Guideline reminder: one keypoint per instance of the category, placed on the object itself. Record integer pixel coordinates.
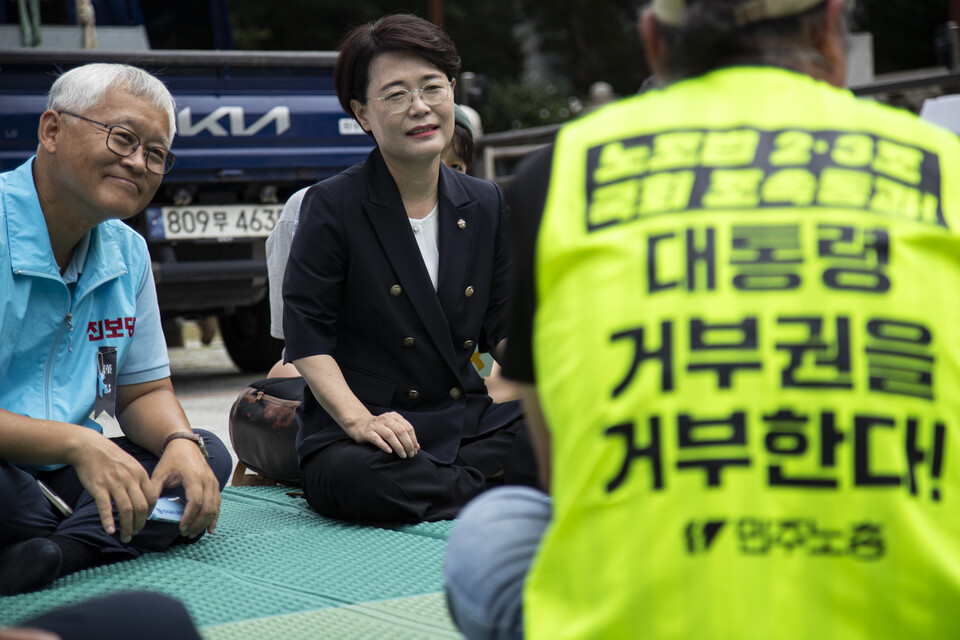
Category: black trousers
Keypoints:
(122, 616)
(27, 514)
(359, 482)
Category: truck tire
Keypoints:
(246, 335)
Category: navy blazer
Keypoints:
(356, 288)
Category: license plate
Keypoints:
(218, 221)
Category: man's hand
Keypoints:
(112, 476)
(390, 432)
(183, 464)
(148, 412)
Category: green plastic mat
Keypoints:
(275, 568)
(413, 618)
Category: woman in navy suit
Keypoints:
(397, 272)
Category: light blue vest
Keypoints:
(51, 335)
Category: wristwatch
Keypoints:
(186, 435)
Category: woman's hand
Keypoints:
(390, 432)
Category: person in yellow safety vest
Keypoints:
(736, 331)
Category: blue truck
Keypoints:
(252, 128)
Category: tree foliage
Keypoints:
(582, 42)
(303, 25)
(592, 41)
(482, 31)
(540, 58)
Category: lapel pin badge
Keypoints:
(461, 224)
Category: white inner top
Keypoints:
(427, 232)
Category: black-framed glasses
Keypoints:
(124, 142)
(399, 100)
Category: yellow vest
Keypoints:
(747, 347)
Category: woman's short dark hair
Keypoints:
(397, 32)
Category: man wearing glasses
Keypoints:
(81, 336)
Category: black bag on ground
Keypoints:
(263, 430)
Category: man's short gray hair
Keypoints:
(84, 88)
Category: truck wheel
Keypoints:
(246, 335)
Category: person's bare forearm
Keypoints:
(539, 433)
(389, 431)
(326, 381)
(27, 440)
(149, 412)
